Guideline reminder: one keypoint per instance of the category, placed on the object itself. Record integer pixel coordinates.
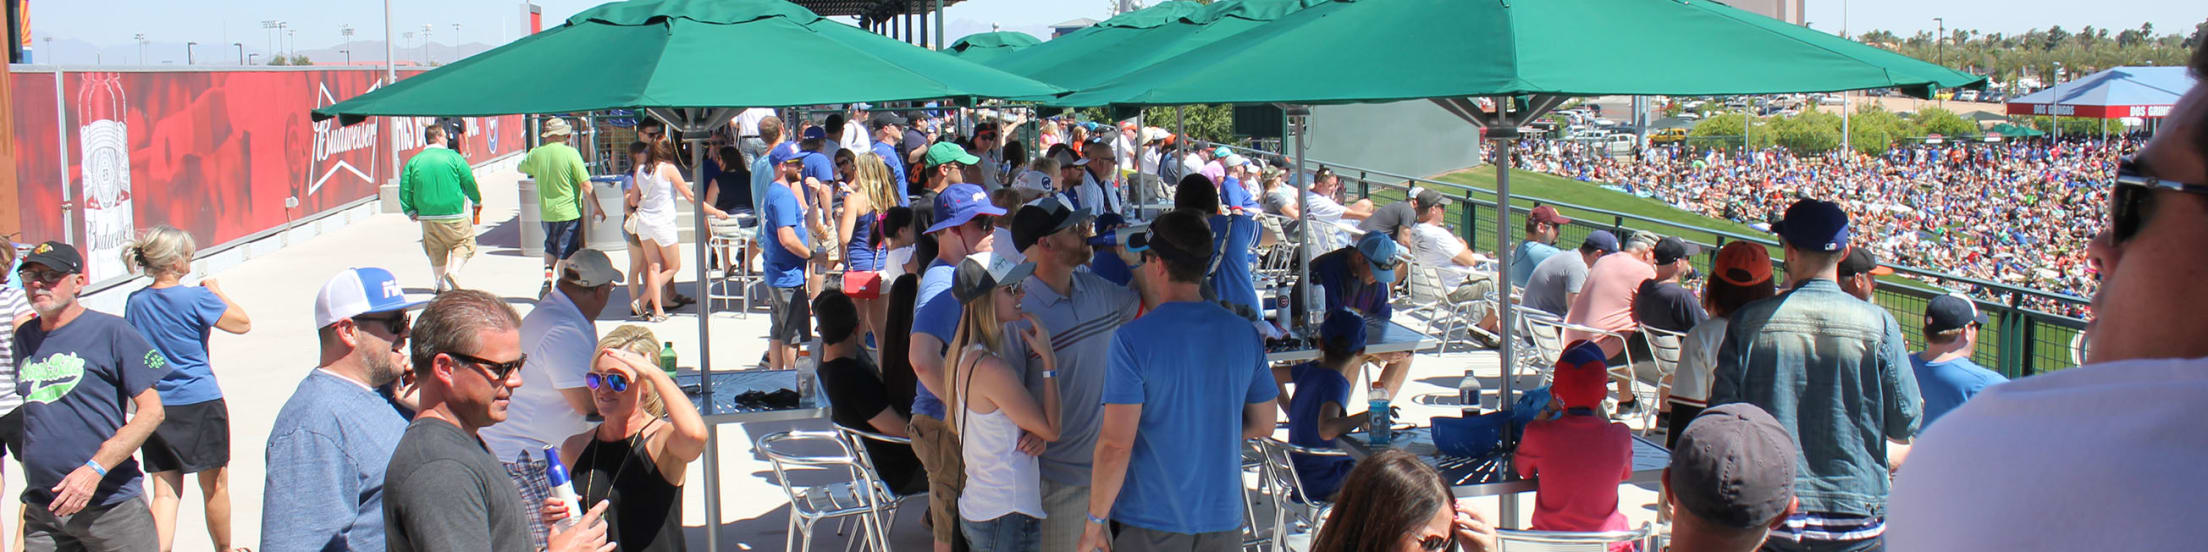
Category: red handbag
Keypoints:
(867, 284)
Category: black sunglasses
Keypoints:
(499, 370)
(2128, 199)
(615, 381)
(40, 275)
(396, 324)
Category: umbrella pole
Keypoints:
(1502, 133)
(694, 131)
(1299, 120)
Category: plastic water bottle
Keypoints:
(562, 490)
(667, 358)
(808, 370)
(1377, 407)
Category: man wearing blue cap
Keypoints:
(1357, 278)
(1835, 372)
(334, 437)
(965, 228)
(786, 245)
(1555, 283)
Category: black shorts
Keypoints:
(790, 314)
(563, 238)
(192, 438)
(11, 433)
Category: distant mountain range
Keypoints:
(77, 52)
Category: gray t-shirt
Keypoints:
(1081, 326)
(444, 491)
(1554, 281)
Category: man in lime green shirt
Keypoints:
(563, 188)
(437, 188)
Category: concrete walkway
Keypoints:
(259, 370)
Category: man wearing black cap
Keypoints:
(1082, 310)
(1661, 302)
(1732, 479)
(1859, 273)
(77, 369)
(1946, 376)
(1834, 371)
(1437, 248)
(886, 135)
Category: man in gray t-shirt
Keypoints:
(1556, 281)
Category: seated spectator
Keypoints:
(1358, 278)
(1556, 284)
(1946, 377)
(1327, 213)
(1434, 245)
(1741, 275)
(1663, 303)
(1316, 411)
(1579, 455)
(1732, 477)
(1235, 193)
(857, 396)
(1280, 198)
(1542, 226)
(1859, 272)
(1606, 303)
(1394, 502)
(1393, 218)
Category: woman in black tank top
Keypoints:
(635, 459)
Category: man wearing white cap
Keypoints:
(563, 188)
(333, 438)
(560, 338)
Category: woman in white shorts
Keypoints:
(657, 180)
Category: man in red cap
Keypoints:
(1542, 226)
(1580, 455)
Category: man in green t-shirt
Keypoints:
(437, 189)
(563, 187)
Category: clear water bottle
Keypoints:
(1377, 407)
(667, 358)
(808, 370)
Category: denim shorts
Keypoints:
(1013, 532)
(563, 238)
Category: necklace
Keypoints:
(590, 481)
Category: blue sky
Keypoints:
(81, 27)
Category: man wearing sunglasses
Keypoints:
(443, 490)
(1358, 278)
(77, 369)
(964, 229)
(2111, 449)
(334, 436)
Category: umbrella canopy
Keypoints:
(1097, 60)
(1066, 54)
(2013, 130)
(676, 54)
(1387, 50)
(982, 47)
(2110, 94)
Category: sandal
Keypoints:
(636, 309)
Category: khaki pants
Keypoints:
(1068, 506)
(448, 242)
(939, 452)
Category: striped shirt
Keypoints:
(1080, 325)
(1829, 527)
(12, 305)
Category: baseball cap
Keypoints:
(1861, 261)
(1548, 214)
(1950, 312)
(785, 153)
(960, 203)
(1672, 249)
(556, 126)
(1033, 181)
(1814, 225)
(358, 291)
(1065, 158)
(590, 268)
(1427, 199)
(1743, 264)
(1044, 217)
(1642, 239)
(1235, 160)
(1582, 375)
(1379, 249)
(1221, 152)
(1343, 330)
(985, 271)
(887, 118)
(815, 132)
(946, 152)
(1601, 240)
(1734, 465)
(57, 256)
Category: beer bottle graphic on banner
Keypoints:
(104, 143)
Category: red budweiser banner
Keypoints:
(220, 154)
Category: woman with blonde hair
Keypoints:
(990, 407)
(635, 459)
(860, 233)
(195, 437)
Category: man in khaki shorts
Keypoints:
(437, 189)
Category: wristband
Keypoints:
(1050, 374)
(1098, 520)
(96, 468)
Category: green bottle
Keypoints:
(667, 358)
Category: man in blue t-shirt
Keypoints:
(963, 227)
(1541, 230)
(1233, 233)
(886, 134)
(786, 249)
(1357, 278)
(1186, 383)
(77, 369)
(1946, 377)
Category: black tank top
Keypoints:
(645, 511)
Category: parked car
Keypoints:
(1830, 99)
(1690, 115)
(1667, 136)
(1966, 96)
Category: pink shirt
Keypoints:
(1606, 301)
(1581, 460)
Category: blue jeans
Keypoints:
(1013, 532)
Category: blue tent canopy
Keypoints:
(2110, 94)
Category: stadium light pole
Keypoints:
(241, 52)
(141, 38)
(188, 52)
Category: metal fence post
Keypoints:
(1364, 184)
(1471, 218)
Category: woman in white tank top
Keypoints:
(1002, 506)
(656, 181)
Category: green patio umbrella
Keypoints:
(686, 54)
(1986, 117)
(1058, 57)
(2013, 130)
(983, 47)
(1098, 59)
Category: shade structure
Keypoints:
(984, 47)
(1348, 51)
(682, 54)
(2146, 92)
(2012, 130)
(1076, 62)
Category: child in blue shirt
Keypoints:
(1315, 412)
